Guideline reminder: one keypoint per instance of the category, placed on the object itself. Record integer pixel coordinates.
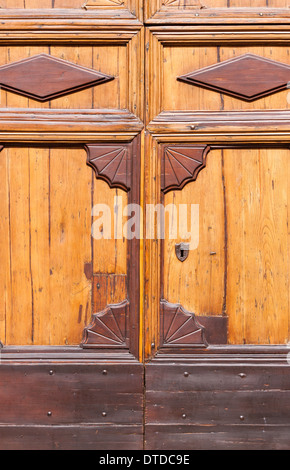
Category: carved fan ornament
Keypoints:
(108, 328)
(112, 164)
(248, 77)
(181, 164)
(43, 77)
(180, 327)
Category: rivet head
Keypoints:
(49, 414)
(184, 416)
(104, 414)
(51, 372)
(243, 376)
(105, 372)
(242, 418)
(186, 374)
(261, 14)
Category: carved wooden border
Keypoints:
(173, 11)
(131, 8)
(158, 38)
(126, 315)
(155, 256)
(117, 327)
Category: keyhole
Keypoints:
(182, 251)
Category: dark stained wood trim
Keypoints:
(240, 77)
(167, 348)
(43, 77)
(181, 164)
(112, 163)
(128, 179)
(219, 122)
(77, 437)
(167, 15)
(130, 308)
(219, 398)
(180, 328)
(108, 328)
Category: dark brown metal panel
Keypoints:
(71, 394)
(226, 399)
(70, 399)
(240, 437)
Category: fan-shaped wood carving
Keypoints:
(112, 163)
(180, 328)
(108, 328)
(43, 77)
(181, 164)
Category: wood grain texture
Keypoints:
(129, 8)
(234, 401)
(248, 77)
(111, 163)
(245, 242)
(181, 165)
(175, 11)
(108, 328)
(109, 59)
(43, 77)
(73, 437)
(180, 328)
(174, 52)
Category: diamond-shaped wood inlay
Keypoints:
(43, 77)
(247, 77)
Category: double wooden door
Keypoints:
(144, 217)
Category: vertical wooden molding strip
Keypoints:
(181, 164)
(118, 325)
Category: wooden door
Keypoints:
(111, 113)
(71, 117)
(217, 281)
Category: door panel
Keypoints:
(92, 308)
(243, 237)
(185, 11)
(108, 8)
(70, 165)
(217, 309)
(46, 221)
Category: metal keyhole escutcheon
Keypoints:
(182, 251)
